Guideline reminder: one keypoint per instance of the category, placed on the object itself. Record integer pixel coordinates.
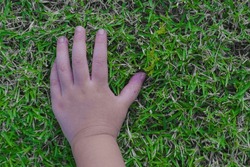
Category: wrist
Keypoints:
(100, 150)
(93, 131)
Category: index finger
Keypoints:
(99, 65)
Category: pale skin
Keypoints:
(89, 114)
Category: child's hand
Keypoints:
(84, 105)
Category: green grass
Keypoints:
(194, 108)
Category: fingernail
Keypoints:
(61, 39)
(101, 31)
(142, 75)
(79, 29)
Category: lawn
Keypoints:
(194, 107)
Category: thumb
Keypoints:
(132, 89)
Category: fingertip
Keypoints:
(62, 39)
(101, 32)
(79, 29)
(139, 76)
(80, 33)
(101, 37)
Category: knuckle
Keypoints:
(135, 91)
(54, 82)
(57, 104)
(69, 90)
(62, 67)
(100, 61)
(77, 60)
